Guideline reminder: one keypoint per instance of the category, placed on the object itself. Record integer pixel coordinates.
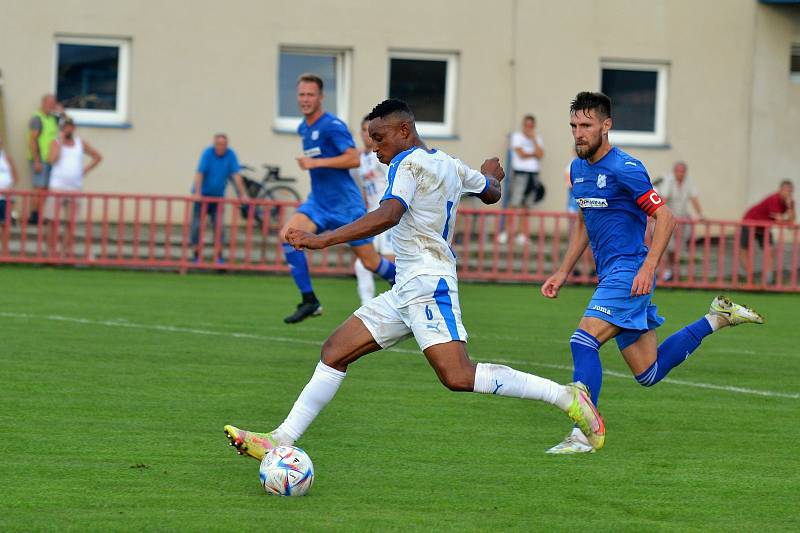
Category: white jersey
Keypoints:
(429, 184)
(67, 171)
(373, 179)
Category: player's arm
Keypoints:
(494, 174)
(654, 206)
(347, 160)
(386, 216)
(578, 241)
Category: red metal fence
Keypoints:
(147, 231)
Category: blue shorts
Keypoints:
(328, 220)
(612, 302)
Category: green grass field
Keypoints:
(116, 385)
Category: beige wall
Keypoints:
(199, 67)
(774, 139)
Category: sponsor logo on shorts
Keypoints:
(602, 309)
(588, 203)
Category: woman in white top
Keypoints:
(8, 178)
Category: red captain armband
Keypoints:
(649, 202)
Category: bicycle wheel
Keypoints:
(281, 193)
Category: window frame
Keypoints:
(98, 117)
(794, 76)
(288, 124)
(446, 128)
(638, 138)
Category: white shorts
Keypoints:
(383, 243)
(426, 307)
(69, 209)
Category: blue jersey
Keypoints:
(615, 196)
(331, 188)
(216, 170)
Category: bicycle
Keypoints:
(272, 186)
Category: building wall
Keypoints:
(776, 103)
(709, 51)
(200, 67)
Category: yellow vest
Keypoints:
(47, 134)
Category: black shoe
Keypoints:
(33, 218)
(304, 310)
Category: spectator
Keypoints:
(43, 128)
(777, 208)
(8, 179)
(66, 158)
(678, 191)
(217, 164)
(526, 151)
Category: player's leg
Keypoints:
(373, 261)
(435, 319)
(651, 362)
(298, 265)
(365, 282)
(349, 342)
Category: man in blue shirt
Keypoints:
(335, 200)
(217, 164)
(615, 197)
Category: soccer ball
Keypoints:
(286, 471)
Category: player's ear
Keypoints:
(607, 123)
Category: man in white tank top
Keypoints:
(67, 171)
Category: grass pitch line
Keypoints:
(121, 323)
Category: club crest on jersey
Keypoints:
(315, 135)
(589, 203)
(601, 181)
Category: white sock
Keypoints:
(505, 381)
(366, 282)
(717, 322)
(319, 391)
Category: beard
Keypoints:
(587, 151)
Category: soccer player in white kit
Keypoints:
(420, 205)
(372, 178)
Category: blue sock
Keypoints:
(386, 270)
(299, 267)
(675, 350)
(586, 362)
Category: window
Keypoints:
(330, 65)
(638, 95)
(91, 79)
(427, 82)
(794, 66)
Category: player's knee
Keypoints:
(457, 380)
(332, 356)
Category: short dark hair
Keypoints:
(586, 101)
(311, 78)
(391, 106)
(528, 117)
(787, 182)
(223, 135)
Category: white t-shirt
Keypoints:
(67, 171)
(677, 195)
(5, 172)
(429, 185)
(525, 164)
(373, 179)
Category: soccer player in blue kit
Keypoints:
(335, 199)
(615, 195)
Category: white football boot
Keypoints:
(576, 442)
(733, 313)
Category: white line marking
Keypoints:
(123, 323)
